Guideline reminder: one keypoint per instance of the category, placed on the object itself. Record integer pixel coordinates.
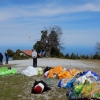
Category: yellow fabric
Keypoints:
(54, 71)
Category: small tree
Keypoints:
(86, 57)
(97, 46)
(73, 56)
(18, 52)
(67, 56)
(96, 56)
(11, 53)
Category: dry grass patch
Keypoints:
(18, 87)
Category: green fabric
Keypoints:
(97, 95)
(5, 71)
(40, 72)
(78, 88)
(91, 90)
(87, 90)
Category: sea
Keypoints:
(80, 50)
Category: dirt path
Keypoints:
(51, 62)
(42, 62)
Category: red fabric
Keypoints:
(38, 89)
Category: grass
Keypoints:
(18, 87)
(10, 87)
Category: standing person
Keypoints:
(1, 58)
(7, 57)
(34, 56)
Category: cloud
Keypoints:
(17, 22)
(12, 12)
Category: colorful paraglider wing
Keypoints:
(6, 71)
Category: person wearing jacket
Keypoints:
(7, 57)
(34, 56)
(1, 58)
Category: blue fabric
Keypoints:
(85, 72)
(95, 74)
(70, 83)
(59, 83)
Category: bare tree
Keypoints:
(54, 38)
(50, 38)
(97, 47)
(44, 38)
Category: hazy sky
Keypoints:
(78, 19)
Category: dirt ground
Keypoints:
(51, 62)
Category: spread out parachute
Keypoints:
(31, 71)
(6, 71)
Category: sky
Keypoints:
(21, 21)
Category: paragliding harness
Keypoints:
(39, 87)
(46, 69)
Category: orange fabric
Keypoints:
(64, 74)
(61, 73)
(75, 71)
(67, 74)
(54, 71)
